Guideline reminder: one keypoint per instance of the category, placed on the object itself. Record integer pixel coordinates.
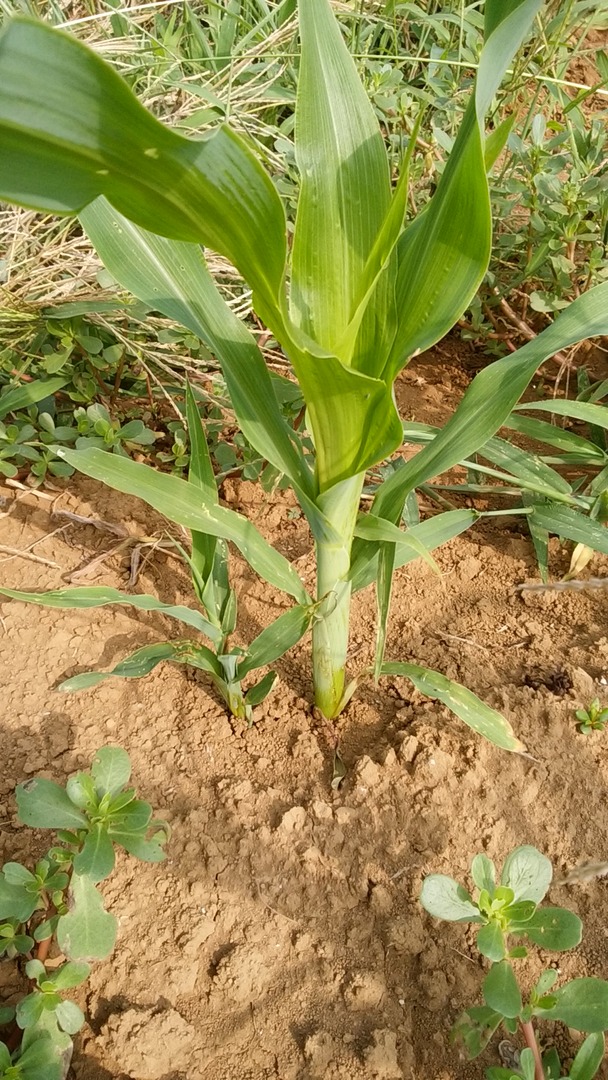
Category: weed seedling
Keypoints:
(509, 914)
(57, 903)
(594, 718)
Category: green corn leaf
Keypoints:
(135, 666)
(596, 415)
(445, 899)
(466, 705)
(71, 130)
(88, 931)
(539, 535)
(21, 397)
(45, 805)
(181, 502)
(555, 436)
(491, 397)
(528, 873)
(566, 522)
(500, 990)
(258, 693)
(173, 278)
(589, 1058)
(111, 770)
(276, 639)
(527, 467)
(200, 474)
(384, 590)
(96, 858)
(431, 534)
(370, 527)
(101, 595)
(342, 159)
(581, 1004)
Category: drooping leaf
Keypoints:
(444, 898)
(564, 521)
(88, 931)
(528, 873)
(182, 503)
(21, 397)
(431, 533)
(466, 705)
(45, 805)
(491, 397)
(500, 990)
(173, 278)
(71, 130)
(101, 595)
(136, 666)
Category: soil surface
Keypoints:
(283, 937)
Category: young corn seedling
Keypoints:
(358, 292)
(508, 914)
(208, 562)
(57, 902)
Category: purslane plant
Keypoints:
(358, 294)
(58, 902)
(208, 561)
(508, 914)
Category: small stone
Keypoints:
(408, 749)
(322, 810)
(368, 772)
(293, 819)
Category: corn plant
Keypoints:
(208, 562)
(57, 902)
(356, 295)
(508, 914)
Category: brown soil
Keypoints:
(283, 937)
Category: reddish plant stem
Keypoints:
(530, 1037)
